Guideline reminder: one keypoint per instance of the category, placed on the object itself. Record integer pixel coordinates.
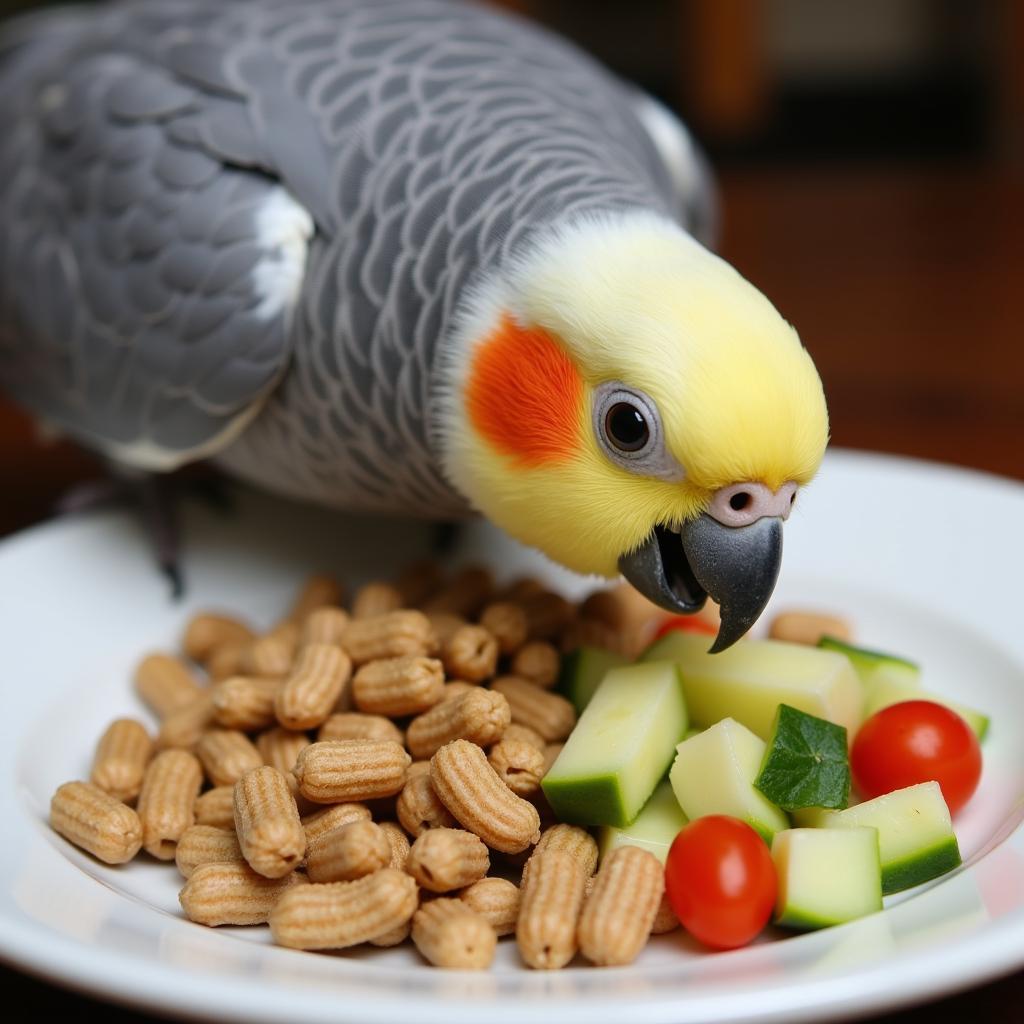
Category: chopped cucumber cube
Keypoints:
(714, 773)
(620, 748)
(826, 876)
(886, 693)
(875, 666)
(753, 677)
(915, 834)
(889, 679)
(582, 672)
(655, 828)
(806, 763)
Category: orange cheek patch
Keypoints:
(524, 395)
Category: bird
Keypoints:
(405, 257)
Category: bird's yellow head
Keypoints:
(621, 378)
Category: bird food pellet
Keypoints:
(373, 777)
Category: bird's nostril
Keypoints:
(739, 501)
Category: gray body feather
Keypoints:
(163, 294)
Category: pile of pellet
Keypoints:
(371, 774)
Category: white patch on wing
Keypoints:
(147, 455)
(283, 231)
(687, 167)
(673, 143)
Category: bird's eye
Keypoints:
(626, 427)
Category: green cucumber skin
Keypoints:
(764, 831)
(866, 662)
(602, 800)
(595, 800)
(579, 691)
(656, 841)
(922, 867)
(781, 761)
(839, 805)
(586, 787)
(864, 657)
(976, 721)
(566, 684)
(798, 921)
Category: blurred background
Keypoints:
(871, 164)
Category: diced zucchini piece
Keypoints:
(753, 677)
(655, 828)
(885, 693)
(806, 763)
(915, 834)
(826, 876)
(620, 748)
(582, 672)
(875, 666)
(889, 679)
(714, 773)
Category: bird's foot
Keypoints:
(156, 500)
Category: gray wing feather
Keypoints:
(453, 134)
(131, 313)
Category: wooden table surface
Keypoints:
(907, 285)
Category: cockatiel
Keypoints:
(415, 257)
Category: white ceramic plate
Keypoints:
(926, 560)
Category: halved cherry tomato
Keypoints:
(685, 624)
(721, 881)
(917, 741)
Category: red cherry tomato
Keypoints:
(917, 741)
(685, 624)
(721, 881)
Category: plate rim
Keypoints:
(993, 955)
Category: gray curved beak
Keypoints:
(736, 565)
